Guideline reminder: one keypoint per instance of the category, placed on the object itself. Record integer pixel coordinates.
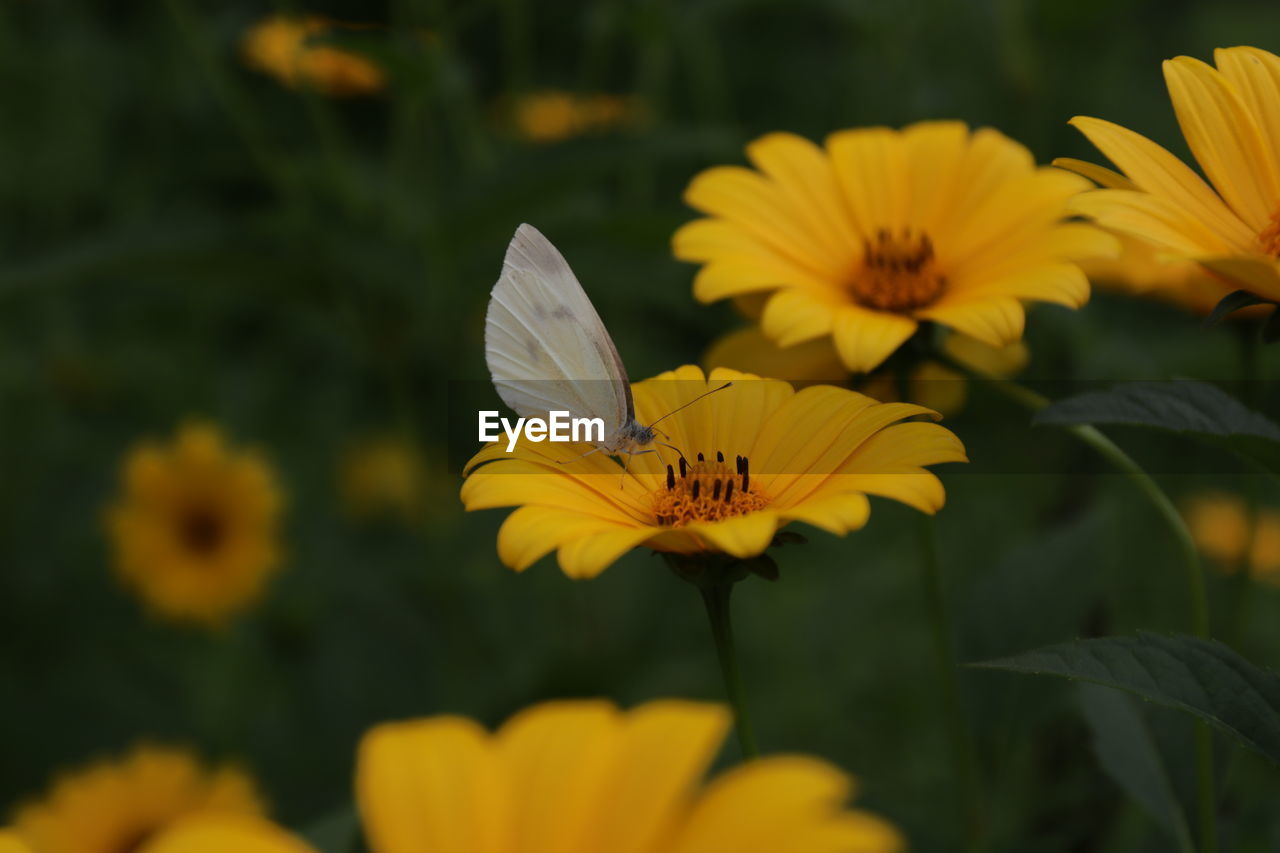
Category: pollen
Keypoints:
(706, 490)
(898, 273)
(1269, 237)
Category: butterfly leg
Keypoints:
(579, 456)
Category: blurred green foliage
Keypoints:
(184, 237)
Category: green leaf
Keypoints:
(1181, 405)
(1128, 753)
(1232, 302)
(1201, 677)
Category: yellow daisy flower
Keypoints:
(579, 777)
(195, 529)
(117, 806)
(1230, 117)
(554, 116)
(288, 48)
(383, 476)
(1221, 526)
(885, 229)
(1145, 269)
(756, 456)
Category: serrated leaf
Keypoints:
(1201, 677)
(1129, 754)
(1232, 302)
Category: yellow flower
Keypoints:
(285, 46)
(383, 476)
(116, 806)
(1230, 117)
(195, 530)
(885, 229)
(554, 116)
(757, 456)
(1223, 530)
(581, 777)
(1145, 269)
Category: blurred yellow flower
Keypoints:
(554, 116)
(290, 48)
(383, 476)
(195, 530)
(583, 776)
(1230, 117)
(11, 842)
(580, 777)
(883, 229)
(116, 806)
(760, 455)
(1221, 525)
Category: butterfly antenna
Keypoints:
(690, 403)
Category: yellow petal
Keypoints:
(935, 151)
(432, 785)
(558, 757)
(752, 203)
(1100, 175)
(794, 316)
(736, 262)
(889, 464)
(220, 835)
(762, 806)
(589, 555)
(664, 751)
(995, 322)
(1019, 212)
(1255, 75)
(1224, 139)
(837, 513)
(741, 536)
(1148, 218)
(870, 164)
(1064, 284)
(1202, 216)
(803, 174)
(1256, 274)
(532, 532)
(865, 338)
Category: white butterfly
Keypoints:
(548, 350)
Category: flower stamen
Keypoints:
(898, 272)
(706, 491)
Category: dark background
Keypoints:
(185, 237)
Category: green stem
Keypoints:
(963, 749)
(1109, 450)
(715, 595)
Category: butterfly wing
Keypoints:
(546, 346)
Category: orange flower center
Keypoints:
(898, 272)
(706, 491)
(1269, 237)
